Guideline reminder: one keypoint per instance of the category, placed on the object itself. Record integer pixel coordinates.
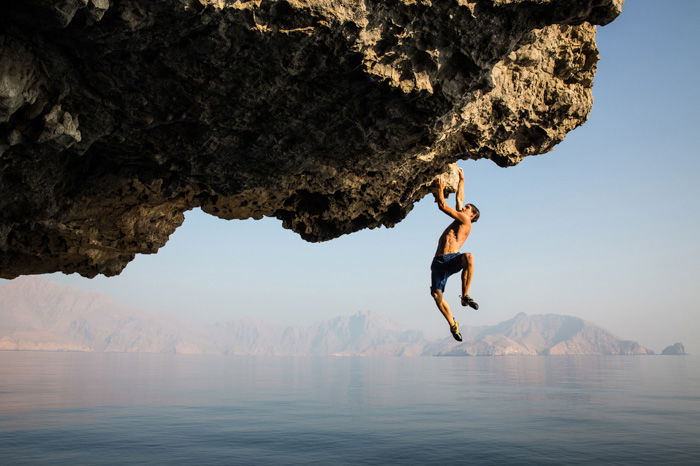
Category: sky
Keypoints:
(604, 227)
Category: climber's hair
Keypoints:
(476, 213)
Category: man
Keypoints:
(448, 260)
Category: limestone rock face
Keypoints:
(118, 116)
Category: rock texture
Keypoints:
(116, 116)
(36, 314)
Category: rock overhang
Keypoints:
(117, 117)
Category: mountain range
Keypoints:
(37, 314)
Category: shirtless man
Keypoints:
(448, 260)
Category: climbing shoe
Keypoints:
(455, 331)
(467, 301)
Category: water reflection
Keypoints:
(411, 408)
(55, 381)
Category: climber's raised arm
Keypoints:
(442, 204)
(459, 200)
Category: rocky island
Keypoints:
(118, 116)
(674, 349)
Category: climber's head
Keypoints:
(473, 211)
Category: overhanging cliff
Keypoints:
(118, 116)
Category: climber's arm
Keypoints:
(442, 204)
(459, 201)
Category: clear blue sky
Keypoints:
(604, 227)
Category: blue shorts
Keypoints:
(444, 266)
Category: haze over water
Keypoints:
(88, 408)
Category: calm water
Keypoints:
(81, 408)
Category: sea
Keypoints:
(144, 409)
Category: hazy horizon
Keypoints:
(603, 228)
(37, 314)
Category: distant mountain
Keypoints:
(36, 314)
(549, 334)
(361, 334)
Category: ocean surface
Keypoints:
(86, 408)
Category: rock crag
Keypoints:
(116, 116)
